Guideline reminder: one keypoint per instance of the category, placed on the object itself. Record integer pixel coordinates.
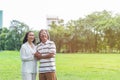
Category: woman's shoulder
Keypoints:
(23, 45)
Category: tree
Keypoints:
(57, 32)
(16, 34)
(3, 36)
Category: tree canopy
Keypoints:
(96, 32)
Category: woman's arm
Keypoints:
(26, 56)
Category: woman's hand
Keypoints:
(37, 55)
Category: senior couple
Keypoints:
(44, 52)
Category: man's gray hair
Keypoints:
(46, 32)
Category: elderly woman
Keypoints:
(46, 56)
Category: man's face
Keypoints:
(43, 36)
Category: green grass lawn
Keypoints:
(69, 66)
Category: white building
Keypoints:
(1, 19)
(52, 19)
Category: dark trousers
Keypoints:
(47, 76)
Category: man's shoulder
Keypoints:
(50, 42)
(38, 45)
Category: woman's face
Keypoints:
(30, 37)
(43, 36)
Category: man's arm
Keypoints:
(40, 56)
(49, 55)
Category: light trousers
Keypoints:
(28, 76)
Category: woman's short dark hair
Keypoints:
(46, 32)
(25, 38)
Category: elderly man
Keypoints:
(46, 55)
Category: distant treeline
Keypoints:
(96, 32)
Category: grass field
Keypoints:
(69, 66)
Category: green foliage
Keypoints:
(57, 33)
(3, 37)
(96, 32)
(11, 39)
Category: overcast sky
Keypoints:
(34, 12)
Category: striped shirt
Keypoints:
(47, 65)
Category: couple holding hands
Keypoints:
(44, 52)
